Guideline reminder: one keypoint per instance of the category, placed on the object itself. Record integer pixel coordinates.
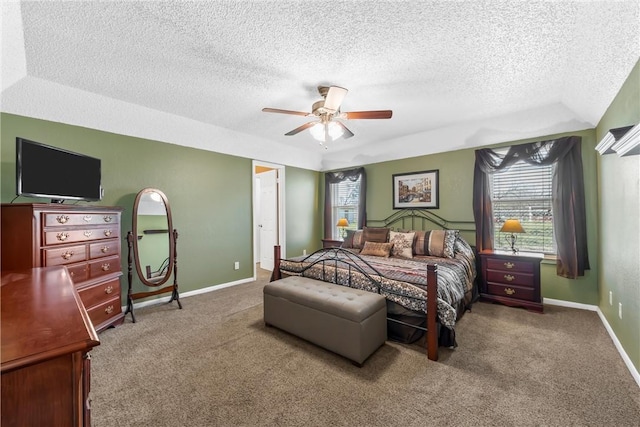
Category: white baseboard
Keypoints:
(603, 319)
(189, 294)
(570, 304)
(623, 354)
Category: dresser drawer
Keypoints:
(510, 278)
(511, 291)
(78, 272)
(66, 255)
(99, 293)
(509, 265)
(104, 266)
(80, 235)
(105, 311)
(103, 249)
(65, 219)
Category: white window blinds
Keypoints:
(345, 197)
(524, 192)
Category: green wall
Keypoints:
(210, 195)
(456, 195)
(619, 226)
(303, 214)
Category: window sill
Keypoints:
(549, 259)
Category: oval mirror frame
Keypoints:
(136, 252)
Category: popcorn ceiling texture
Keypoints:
(455, 74)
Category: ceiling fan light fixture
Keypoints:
(334, 131)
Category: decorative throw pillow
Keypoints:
(376, 249)
(439, 243)
(353, 240)
(402, 244)
(375, 234)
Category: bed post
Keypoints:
(432, 311)
(275, 275)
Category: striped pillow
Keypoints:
(375, 234)
(439, 243)
(353, 240)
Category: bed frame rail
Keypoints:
(331, 255)
(419, 219)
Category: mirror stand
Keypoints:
(175, 296)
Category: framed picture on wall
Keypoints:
(416, 190)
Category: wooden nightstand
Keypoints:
(330, 243)
(511, 279)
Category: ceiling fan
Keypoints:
(327, 125)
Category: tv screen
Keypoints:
(45, 171)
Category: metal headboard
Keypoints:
(416, 219)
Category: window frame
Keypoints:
(537, 222)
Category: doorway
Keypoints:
(268, 213)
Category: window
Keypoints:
(524, 192)
(345, 199)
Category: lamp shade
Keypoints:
(342, 222)
(512, 226)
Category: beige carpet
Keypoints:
(214, 363)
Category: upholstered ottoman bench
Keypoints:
(347, 321)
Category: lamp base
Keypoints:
(512, 242)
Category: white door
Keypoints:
(268, 223)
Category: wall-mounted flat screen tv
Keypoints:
(51, 172)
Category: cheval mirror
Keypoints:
(152, 248)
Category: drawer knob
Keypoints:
(62, 236)
(108, 289)
(62, 219)
(509, 291)
(509, 265)
(107, 233)
(67, 255)
(88, 233)
(104, 249)
(106, 267)
(508, 277)
(107, 218)
(87, 218)
(109, 309)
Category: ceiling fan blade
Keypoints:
(277, 110)
(379, 114)
(334, 98)
(346, 132)
(300, 128)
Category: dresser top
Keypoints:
(42, 317)
(61, 207)
(496, 252)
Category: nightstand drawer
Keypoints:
(510, 278)
(511, 291)
(509, 265)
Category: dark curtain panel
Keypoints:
(568, 201)
(335, 178)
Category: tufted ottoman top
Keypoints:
(340, 301)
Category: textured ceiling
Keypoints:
(455, 74)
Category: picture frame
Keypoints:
(416, 190)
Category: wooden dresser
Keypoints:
(46, 336)
(85, 239)
(511, 279)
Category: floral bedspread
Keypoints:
(402, 280)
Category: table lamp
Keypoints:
(512, 226)
(342, 224)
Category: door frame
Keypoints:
(281, 208)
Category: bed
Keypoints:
(424, 262)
